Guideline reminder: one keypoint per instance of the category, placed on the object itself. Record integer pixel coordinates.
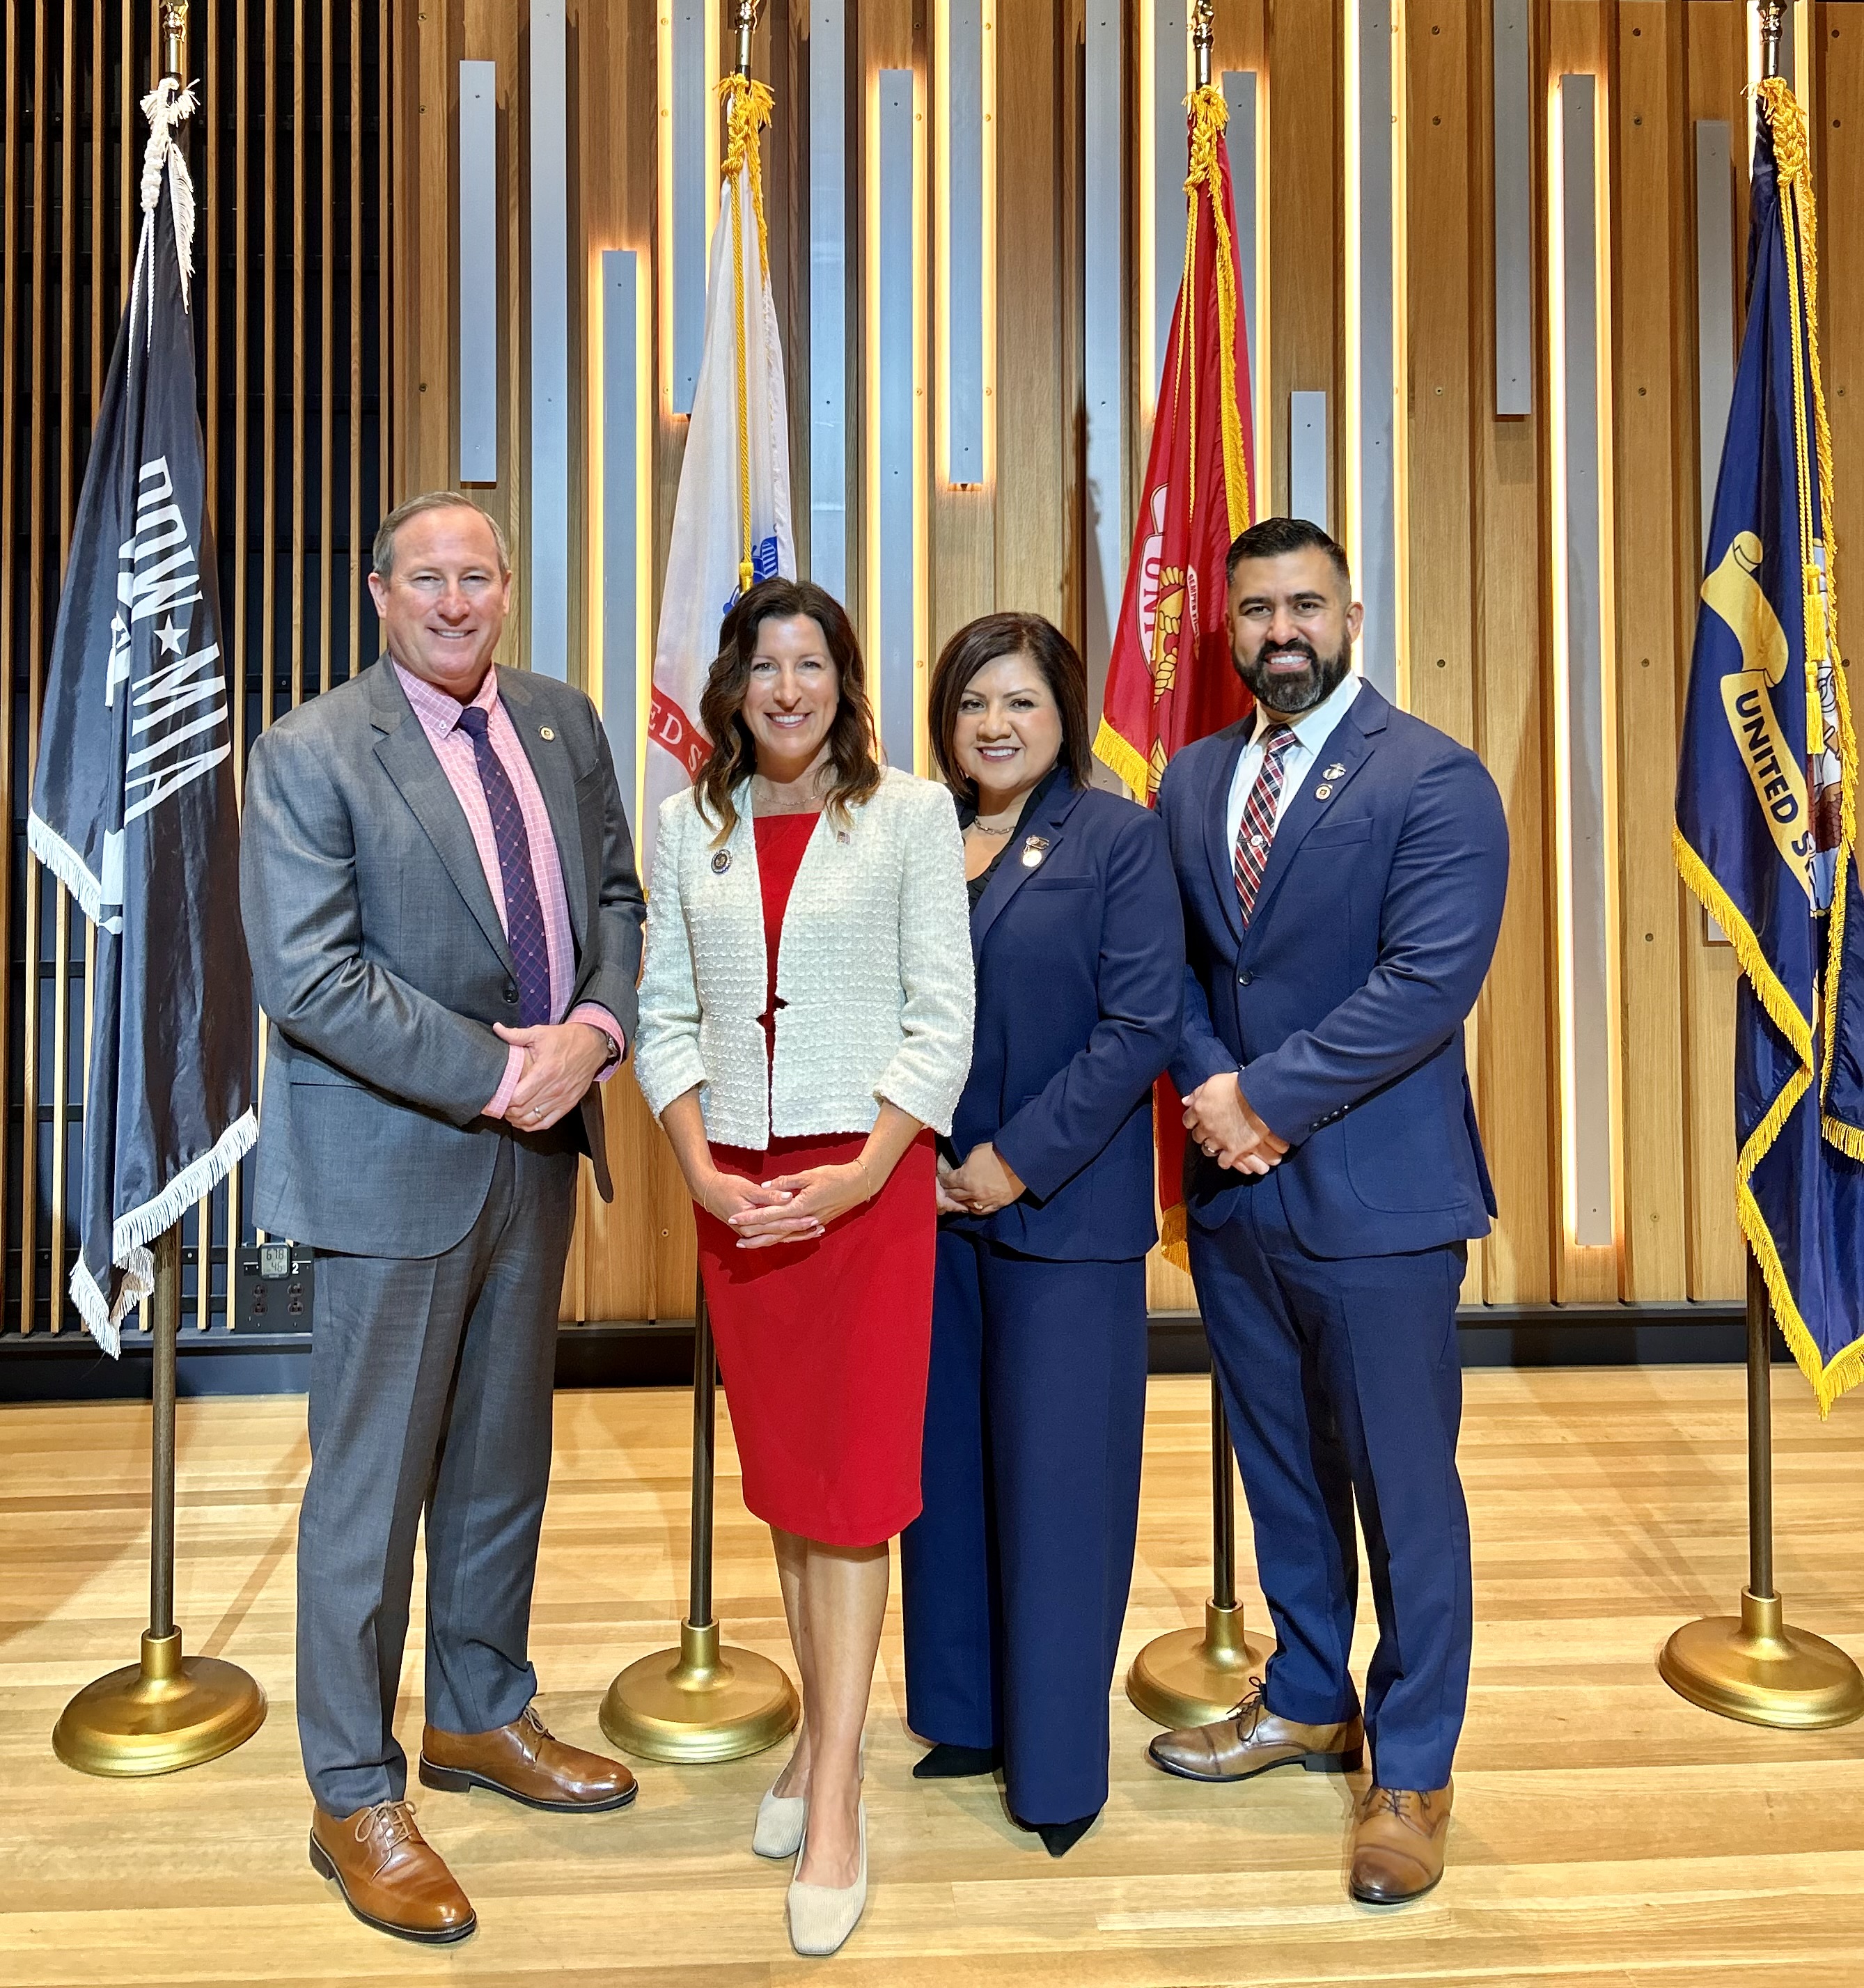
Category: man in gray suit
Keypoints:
(440, 900)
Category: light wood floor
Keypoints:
(1605, 1832)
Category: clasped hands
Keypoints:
(1219, 1121)
(561, 1060)
(985, 1183)
(793, 1208)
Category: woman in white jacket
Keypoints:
(805, 1029)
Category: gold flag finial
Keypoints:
(1203, 32)
(1773, 17)
(174, 40)
(744, 20)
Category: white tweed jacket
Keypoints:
(874, 972)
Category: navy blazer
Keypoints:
(1343, 1006)
(1080, 992)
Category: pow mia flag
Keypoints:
(132, 801)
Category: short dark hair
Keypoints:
(986, 641)
(733, 757)
(1270, 538)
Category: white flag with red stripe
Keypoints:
(731, 520)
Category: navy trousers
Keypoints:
(1342, 1384)
(1016, 1572)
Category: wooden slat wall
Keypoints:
(292, 354)
(291, 327)
(1475, 488)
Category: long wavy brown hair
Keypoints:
(855, 762)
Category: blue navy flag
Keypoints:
(133, 801)
(1766, 814)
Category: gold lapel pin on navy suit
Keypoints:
(1034, 849)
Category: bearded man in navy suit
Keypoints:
(1342, 867)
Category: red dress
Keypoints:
(823, 1346)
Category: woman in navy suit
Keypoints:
(1016, 1573)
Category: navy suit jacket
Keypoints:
(1080, 992)
(1343, 1005)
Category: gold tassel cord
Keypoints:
(1209, 116)
(748, 105)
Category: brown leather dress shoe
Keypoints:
(1251, 1740)
(390, 1876)
(1398, 1844)
(526, 1761)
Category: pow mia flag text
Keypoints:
(132, 805)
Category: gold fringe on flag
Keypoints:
(748, 105)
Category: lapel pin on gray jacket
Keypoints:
(720, 862)
(1033, 850)
(544, 731)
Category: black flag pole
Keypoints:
(133, 809)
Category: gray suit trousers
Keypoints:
(431, 1389)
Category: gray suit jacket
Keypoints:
(380, 963)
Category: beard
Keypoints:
(1288, 694)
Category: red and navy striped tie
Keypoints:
(1256, 829)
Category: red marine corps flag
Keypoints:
(1170, 679)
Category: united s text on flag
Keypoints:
(1170, 679)
(731, 518)
(132, 802)
(1766, 828)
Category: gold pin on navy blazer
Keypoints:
(1078, 939)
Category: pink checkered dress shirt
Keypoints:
(439, 716)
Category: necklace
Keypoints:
(982, 830)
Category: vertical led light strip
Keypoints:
(1714, 306)
(1164, 73)
(828, 296)
(1246, 139)
(1103, 332)
(548, 549)
(896, 321)
(1584, 786)
(1511, 84)
(621, 418)
(1374, 294)
(478, 272)
(963, 78)
(688, 183)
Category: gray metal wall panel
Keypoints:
(895, 277)
(478, 272)
(965, 194)
(623, 519)
(695, 132)
(1715, 348)
(1511, 85)
(1588, 939)
(828, 296)
(1307, 491)
(549, 550)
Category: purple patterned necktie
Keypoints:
(1256, 829)
(524, 933)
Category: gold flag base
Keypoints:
(1754, 1667)
(1192, 1677)
(700, 1703)
(167, 1712)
